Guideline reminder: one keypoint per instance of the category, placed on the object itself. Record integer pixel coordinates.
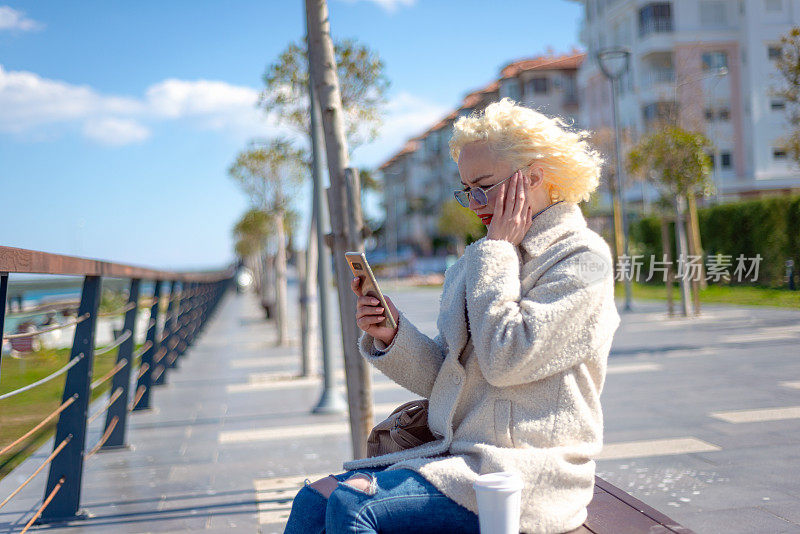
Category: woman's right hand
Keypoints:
(369, 313)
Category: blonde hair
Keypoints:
(523, 136)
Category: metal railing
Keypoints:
(655, 25)
(192, 297)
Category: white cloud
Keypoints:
(27, 100)
(31, 104)
(389, 5)
(115, 132)
(407, 116)
(180, 98)
(11, 19)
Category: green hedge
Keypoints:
(768, 226)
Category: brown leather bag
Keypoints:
(405, 428)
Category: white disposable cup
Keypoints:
(499, 498)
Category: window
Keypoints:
(654, 18)
(773, 52)
(777, 105)
(719, 114)
(510, 89)
(778, 154)
(713, 13)
(538, 86)
(725, 160)
(714, 60)
(432, 142)
(773, 6)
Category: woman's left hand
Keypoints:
(511, 219)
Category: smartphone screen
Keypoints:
(369, 286)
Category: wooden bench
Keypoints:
(612, 511)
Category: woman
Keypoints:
(526, 321)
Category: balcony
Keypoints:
(654, 77)
(655, 26)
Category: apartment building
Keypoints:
(711, 64)
(421, 177)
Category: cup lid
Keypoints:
(500, 480)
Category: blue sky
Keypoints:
(119, 120)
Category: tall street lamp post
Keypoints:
(614, 62)
(331, 400)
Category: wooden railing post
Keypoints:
(68, 464)
(117, 414)
(145, 381)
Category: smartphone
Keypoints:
(360, 267)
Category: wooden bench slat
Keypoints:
(640, 507)
(609, 515)
(583, 529)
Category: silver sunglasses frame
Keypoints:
(484, 190)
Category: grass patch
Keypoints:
(718, 294)
(22, 412)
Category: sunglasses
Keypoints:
(479, 194)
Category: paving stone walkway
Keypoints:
(702, 421)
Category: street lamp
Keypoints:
(331, 400)
(614, 62)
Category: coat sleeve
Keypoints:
(412, 359)
(522, 338)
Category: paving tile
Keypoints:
(736, 520)
(667, 377)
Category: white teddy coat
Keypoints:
(514, 384)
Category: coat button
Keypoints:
(456, 379)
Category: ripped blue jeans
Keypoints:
(399, 500)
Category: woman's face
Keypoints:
(478, 166)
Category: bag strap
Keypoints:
(404, 438)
